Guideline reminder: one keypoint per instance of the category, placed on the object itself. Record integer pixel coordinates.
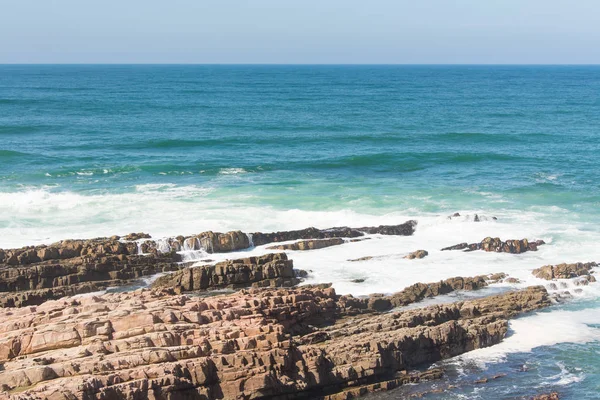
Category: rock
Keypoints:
(564, 271)
(366, 258)
(416, 293)
(285, 343)
(499, 246)
(405, 229)
(417, 254)
(358, 280)
(215, 242)
(137, 236)
(312, 244)
(269, 270)
(512, 280)
(474, 218)
(497, 277)
(549, 396)
(32, 284)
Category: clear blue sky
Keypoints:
(300, 31)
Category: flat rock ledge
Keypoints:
(499, 246)
(33, 284)
(313, 244)
(33, 274)
(215, 242)
(565, 271)
(304, 342)
(270, 270)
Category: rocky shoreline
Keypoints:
(272, 339)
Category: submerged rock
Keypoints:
(366, 258)
(474, 218)
(549, 396)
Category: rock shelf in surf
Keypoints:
(210, 242)
(35, 283)
(215, 242)
(32, 274)
(270, 270)
(566, 271)
(499, 246)
(312, 244)
(276, 343)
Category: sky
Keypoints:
(300, 31)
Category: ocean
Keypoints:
(98, 150)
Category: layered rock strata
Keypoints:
(565, 271)
(70, 267)
(258, 343)
(313, 244)
(499, 246)
(32, 284)
(273, 270)
(418, 292)
(212, 242)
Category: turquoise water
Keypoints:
(96, 150)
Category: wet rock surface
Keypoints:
(279, 343)
(32, 284)
(269, 270)
(565, 271)
(499, 246)
(313, 244)
(405, 229)
(474, 218)
(417, 254)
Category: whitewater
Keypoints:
(94, 151)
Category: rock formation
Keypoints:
(405, 229)
(474, 218)
(417, 292)
(70, 267)
(499, 246)
(31, 284)
(269, 270)
(312, 244)
(565, 271)
(276, 343)
(417, 254)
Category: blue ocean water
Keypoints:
(97, 150)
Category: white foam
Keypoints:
(232, 171)
(564, 377)
(542, 329)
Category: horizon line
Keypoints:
(301, 64)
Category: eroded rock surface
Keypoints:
(565, 271)
(32, 284)
(417, 254)
(499, 246)
(268, 270)
(313, 244)
(277, 343)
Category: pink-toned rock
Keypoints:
(251, 344)
(565, 271)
